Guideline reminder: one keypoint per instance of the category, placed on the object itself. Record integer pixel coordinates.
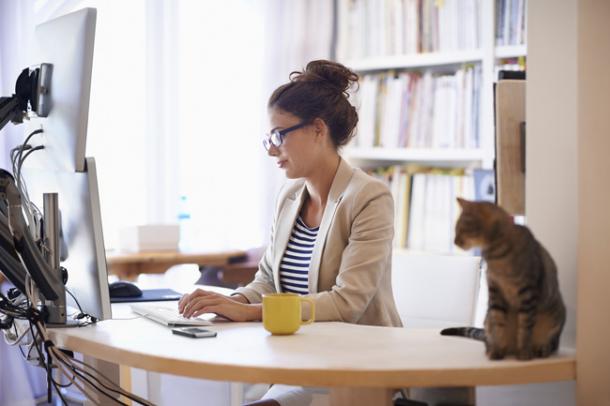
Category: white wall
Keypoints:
(15, 48)
(593, 352)
(552, 111)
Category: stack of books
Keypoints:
(369, 28)
(415, 110)
(510, 22)
(426, 208)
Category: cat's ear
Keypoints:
(462, 202)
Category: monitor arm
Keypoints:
(31, 95)
(9, 108)
(48, 280)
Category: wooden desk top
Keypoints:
(128, 266)
(172, 256)
(321, 354)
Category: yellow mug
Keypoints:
(282, 312)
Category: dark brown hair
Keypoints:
(320, 91)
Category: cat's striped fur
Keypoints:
(525, 313)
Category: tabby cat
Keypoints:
(525, 313)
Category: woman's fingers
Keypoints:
(197, 304)
(187, 300)
(184, 300)
(202, 301)
(211, 308)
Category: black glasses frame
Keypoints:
(276, 137)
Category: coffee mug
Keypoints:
(282, 312)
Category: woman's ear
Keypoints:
(320, 126)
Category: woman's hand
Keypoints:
(203, 301)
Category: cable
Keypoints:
(21, 186)
(85, 391)
(96, 375)
(17, 163)
(18, 339)
(104, 392)
(82, 314)
(108, 384)
(62, 358)
(22, 160)
(76, 301)
(41, 331)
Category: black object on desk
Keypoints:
(124, 292)
(122, 289)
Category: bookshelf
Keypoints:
(511, 51)
(432, 59)
(444, 124)
(437, 157)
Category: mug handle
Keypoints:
(312, 310)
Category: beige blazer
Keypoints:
(350, 270)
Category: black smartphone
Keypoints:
(194, 332)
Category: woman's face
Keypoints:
(297, 153)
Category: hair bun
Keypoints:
(327, 72)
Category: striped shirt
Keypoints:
(294, 268)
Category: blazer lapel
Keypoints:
(340, 182)
(285, 223)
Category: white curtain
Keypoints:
(20, 383)
(296, 32)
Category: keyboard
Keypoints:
(170, 316)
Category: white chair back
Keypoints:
(435, 290)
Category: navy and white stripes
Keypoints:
(294, 268)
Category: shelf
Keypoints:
(414, 60)
(443, 157)
(511, 51)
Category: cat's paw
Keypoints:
(525, 354)
(543, 351)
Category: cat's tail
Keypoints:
(469, 332)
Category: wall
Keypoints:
(15, 47)
(551, 188)
(593, 366)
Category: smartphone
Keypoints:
(194, 332)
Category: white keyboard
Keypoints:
(170, 317)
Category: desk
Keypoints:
(128, 266)
(359, 363)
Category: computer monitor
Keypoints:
(81, 232)
(60, 167)
(67, 44)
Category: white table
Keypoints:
(360, 363)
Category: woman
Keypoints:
(333, 226)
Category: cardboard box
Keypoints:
(150, 237)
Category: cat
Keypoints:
(525, 313)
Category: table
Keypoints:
(127, 266)
(361, 364)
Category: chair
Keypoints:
(238, 272)
(437, 291)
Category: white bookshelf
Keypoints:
(487, 56)
(450, 157)
(426, 60)
(511, 51)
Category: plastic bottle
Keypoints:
(185, 223)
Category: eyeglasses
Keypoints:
(276, 137)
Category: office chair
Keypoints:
(436, 291)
